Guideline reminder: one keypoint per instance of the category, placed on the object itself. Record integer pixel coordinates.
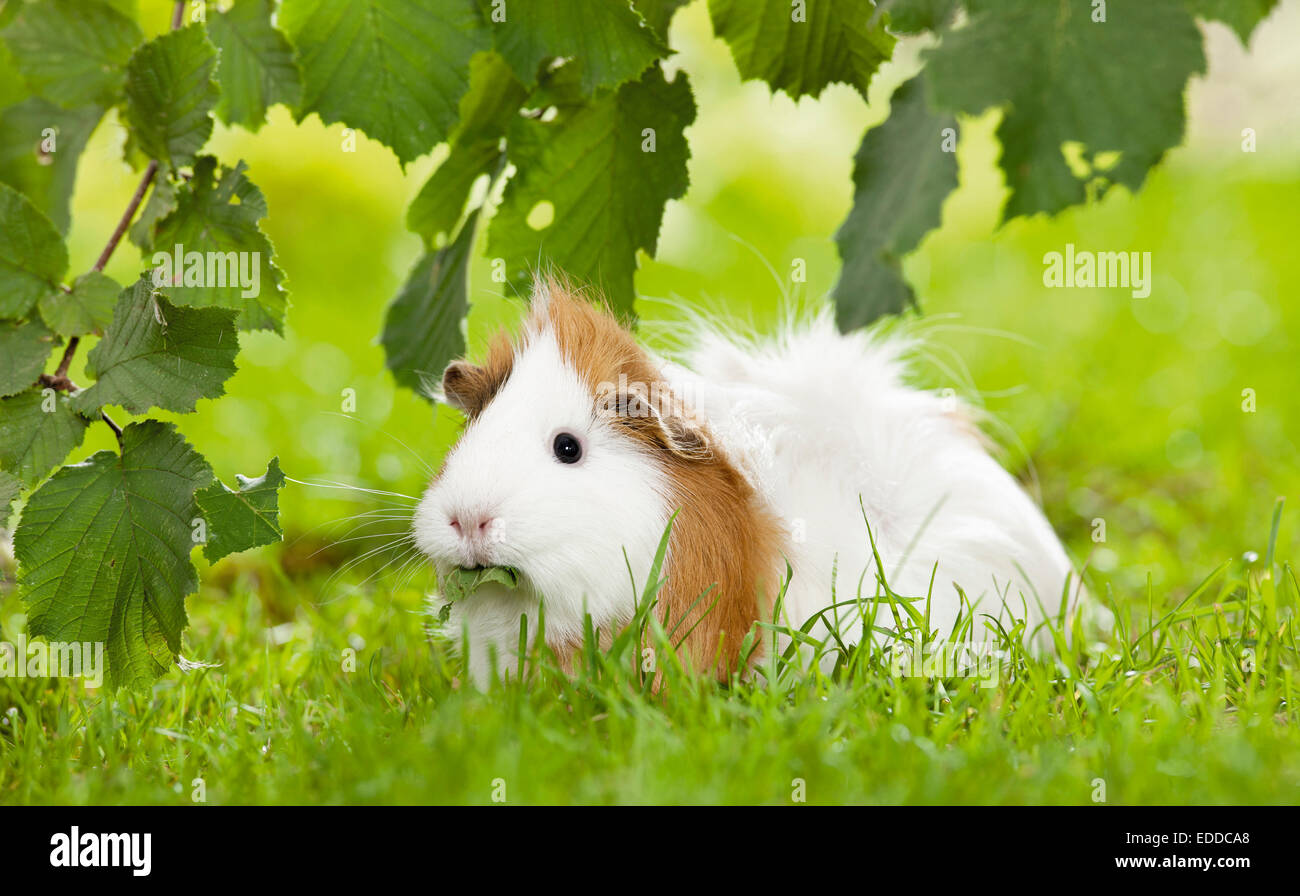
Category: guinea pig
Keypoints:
(580, 446)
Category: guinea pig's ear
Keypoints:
(684, 438)
(663, 424)
(465, 387)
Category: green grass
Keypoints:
(1188, 702)
(1111, 408)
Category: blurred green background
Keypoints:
(1108, 406)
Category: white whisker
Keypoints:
(342, 486)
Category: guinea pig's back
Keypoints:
(833, 438)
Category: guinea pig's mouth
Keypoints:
(509, 571)
(461, 582)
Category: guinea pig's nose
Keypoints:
(471, 524)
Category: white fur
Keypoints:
(828, 431)
(817, 420)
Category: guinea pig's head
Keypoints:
(568, 464)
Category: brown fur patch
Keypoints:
(472, 387)
(723, 540)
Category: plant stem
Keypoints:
(66, 360)
(127, 216)
(117, 430)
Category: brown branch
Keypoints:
(66, 361)
(125, 221)
(59, 382)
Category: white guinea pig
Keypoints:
(580, 446)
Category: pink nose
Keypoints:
(473, 525)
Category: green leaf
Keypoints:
(607, 191)
(486, 112)
(33, 258)
(10, 489)
(42, 168)
(257, 68)
(437, 208)
(87, 308)
(73, 51)
(104, 551)
(901, 175)
(13, 88)
(170, 95)
(422, 333)
(658, 13)
(802, 48)
(460, 582)
(217, 213)
(606, 37)
(156, 355)
(129, 8)
(492, 102)
(1112, 86)
(395, 69)
(245, 518)
(38, 428)
(24, 348)
(914, 16)
(1240, 15)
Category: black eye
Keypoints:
(567, 448)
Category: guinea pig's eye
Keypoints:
(567, 448)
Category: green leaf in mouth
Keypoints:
(461, 582)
